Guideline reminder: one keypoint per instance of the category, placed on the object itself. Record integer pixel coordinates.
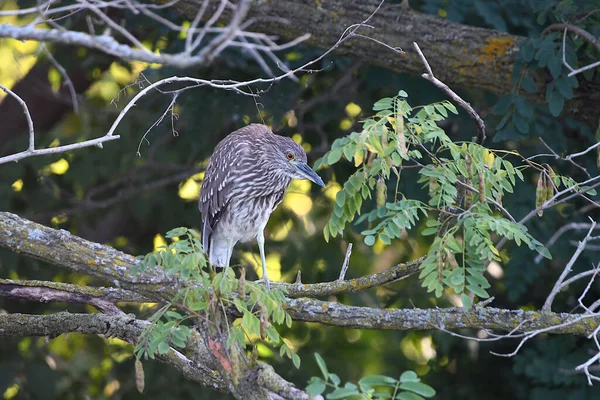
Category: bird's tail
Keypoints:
(219, 253)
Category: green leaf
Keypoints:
(370, 240)
(316, 388)
(334, 379)
(173, 314)
(383, 104)
(408, 396)
(385, 238)
(555, 65)
(466, 301)
(409, 376)
(564, 87)
(503, 105)
(402, 93)
(163, 348)
(334, 156)
(176, 233)
(322, 366)
(368, 382)
(419, 388)
(296, 361)
(429, 231)
(523, 107)
(342, 393)
(479, 292)
(450, 107)
(521, 123)
(528, 84)
(544, 252)
(526, 51)
(556, 102)
(340, 198)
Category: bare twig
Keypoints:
(559, 283)
(27, 116)
(32, 151)
(441, 85)
(577, 30)
(346, 262)
(559, 233)
(581, 33)
(65, 76)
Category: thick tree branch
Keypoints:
(104, 262)
(125, 327)
(79, 255)
(128, 328)
(103, 299)
(336, 314)
(461, 55)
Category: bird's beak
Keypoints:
(309, 174)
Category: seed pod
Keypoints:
(401, 138)
(234, 358)
(384, 138)
(468, 163)
(555, 178)
(242, 284)
(263, 322)
(549, 190)
(433, 186)
(461, 192)
(481, 188)
(139, 376)
(381, 192)
(540, 193)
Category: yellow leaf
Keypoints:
(159, 241)
(18, 185)
(353, 109)
(60, 167)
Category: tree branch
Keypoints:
(336, 314)
(461, 55)
(79, 255)
(125, 327)
(128, 328)
(441, 85)
(102, 298)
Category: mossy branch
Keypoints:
(496, 319)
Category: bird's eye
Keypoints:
(289, 155)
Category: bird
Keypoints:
(245, 181)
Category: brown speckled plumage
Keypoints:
(245, 181)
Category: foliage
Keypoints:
(111, 196)
(466, 184)
(205, 297)
(407, 387)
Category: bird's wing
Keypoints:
(214, 194)
(228, 161)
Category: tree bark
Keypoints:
(197, 361)
(460, 55)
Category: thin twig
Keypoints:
(558, 286)
(441, 85)
(65, 76)
(27, 116)
(346, 262)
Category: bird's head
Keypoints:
(290, 156)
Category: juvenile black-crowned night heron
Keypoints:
(245, 181)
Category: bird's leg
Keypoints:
(260, 238)
(230, 245)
